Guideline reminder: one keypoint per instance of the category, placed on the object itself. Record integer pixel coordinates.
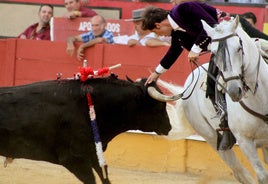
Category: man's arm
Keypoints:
(82, 12)
(86, 12)
(82, 47)
(70, 44)
(155, 42)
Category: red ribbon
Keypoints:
(89, 100)
(86, 71)
(102, 71)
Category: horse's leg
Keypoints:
(240, 173)
(228, 156)
(249, 149)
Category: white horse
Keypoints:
(245, 80)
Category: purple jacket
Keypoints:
(188, 16)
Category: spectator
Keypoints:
(41, 29)
(74, 10)
(98, 34)
(250, 17)
(143, 37)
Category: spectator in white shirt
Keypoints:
(143, 37)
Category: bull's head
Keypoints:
(161, 97)
(153, 116)
(153, 91)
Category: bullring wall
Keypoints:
(26, 61)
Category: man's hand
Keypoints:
(100, 40)
(192, 56)
(23, 37)
(70, 50)
(80, 53)
(70, 45)
(153, 77)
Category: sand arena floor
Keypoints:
(23, 171)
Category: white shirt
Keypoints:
(144, 39)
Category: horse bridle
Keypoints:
(241, 77)
(238, 77)
(224, 38)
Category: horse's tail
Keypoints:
(181, 128)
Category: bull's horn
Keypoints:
(160, 97)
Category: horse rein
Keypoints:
(209, 74)
(185, 98)
(224, 38)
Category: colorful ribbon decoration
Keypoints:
(85, 72)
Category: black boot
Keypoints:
(226, 140)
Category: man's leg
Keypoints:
(226, 140)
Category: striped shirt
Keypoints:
(106, 34)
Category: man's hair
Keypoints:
(103, 21)
(250, 15)
(49, 5)
(153, 15)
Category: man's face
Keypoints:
(163, 28)
(97, 26)
(137, 25)
(45, 14)
(72, 5)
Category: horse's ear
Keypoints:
(236, 21)
(210, 31)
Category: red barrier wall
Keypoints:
(27, 61)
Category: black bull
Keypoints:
(49, 120)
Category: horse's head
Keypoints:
(230, 47)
